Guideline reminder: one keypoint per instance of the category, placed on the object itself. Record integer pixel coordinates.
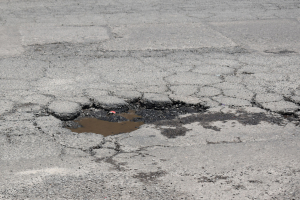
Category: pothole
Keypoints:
(115, 126)
(100, 121)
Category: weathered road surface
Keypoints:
(240, 59)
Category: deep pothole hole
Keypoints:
(112, 122)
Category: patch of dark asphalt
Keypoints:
(242, 117)
(143, 113)
(205, 119)
(236, 140)
(212, 179)
(173, 133)
(150, 176)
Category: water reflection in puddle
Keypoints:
(106, 128)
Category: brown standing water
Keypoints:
(106, 128)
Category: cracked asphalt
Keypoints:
(238, 61)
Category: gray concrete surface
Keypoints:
(240, 59)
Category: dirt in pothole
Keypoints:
(121, 123)
(102, 122)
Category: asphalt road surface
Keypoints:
(237, 60)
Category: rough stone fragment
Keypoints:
(64, 110)
(229, 86)
(128, 95)
(241, 94)
(48, 122)
(50, 125)
(228, 101)
(186, 99)
(36, 99)
(184, 90)
(83, 101)
(110, 103)
(156, 100)
(102, 99)
(283, 107)
(208, 92)
(268, 97)
(207, 102)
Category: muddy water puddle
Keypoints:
(97, 120)
(106, 128)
